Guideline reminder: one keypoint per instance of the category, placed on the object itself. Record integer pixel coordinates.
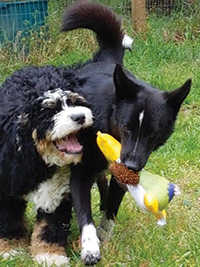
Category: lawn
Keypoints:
(166, 56)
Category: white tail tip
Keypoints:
(127, 42)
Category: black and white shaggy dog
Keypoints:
(45, 134)
(139, 115)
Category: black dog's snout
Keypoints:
(132, 165)
(79, 118)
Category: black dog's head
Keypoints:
(143, 117)
(54, 121)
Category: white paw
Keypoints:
(105, 229)
(48, 259)
(90, 252)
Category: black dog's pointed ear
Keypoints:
(176, 97)
(123, 85)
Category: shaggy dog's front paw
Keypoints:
(46, 253)
(90, 252)
(11, 248)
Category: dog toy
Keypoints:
(123, 174)
(151, 192)
(111, 148)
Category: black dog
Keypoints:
(45, 132)
(140, 116)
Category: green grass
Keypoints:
(166, 56)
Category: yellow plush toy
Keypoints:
(152, 193)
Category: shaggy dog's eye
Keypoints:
(50, 104)
(78, 102)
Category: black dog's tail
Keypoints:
(103, 22)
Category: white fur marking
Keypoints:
(47, 259)
(127, 42)
(50, 193)
(89, 242)
(141, 117)
(54, 95)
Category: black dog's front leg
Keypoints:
(115, 196)
(81, 196)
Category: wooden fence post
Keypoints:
(139, 15)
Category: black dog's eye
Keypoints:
(126, 128)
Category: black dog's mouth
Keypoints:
(69, 144)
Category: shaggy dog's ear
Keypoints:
(176, 97)
(125, 87)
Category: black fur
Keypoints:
(11, 218)
(58, 223)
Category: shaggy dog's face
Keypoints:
(57, 119)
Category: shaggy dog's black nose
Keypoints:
(79, 118)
